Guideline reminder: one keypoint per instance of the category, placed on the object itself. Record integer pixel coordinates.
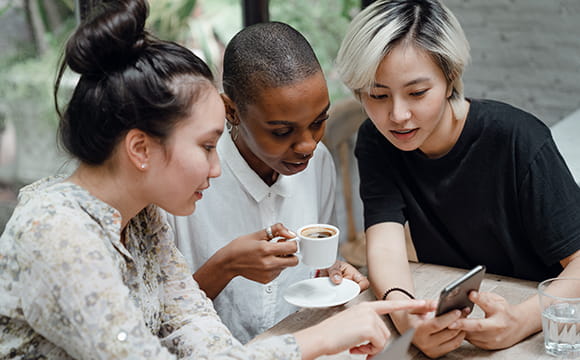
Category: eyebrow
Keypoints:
(286, 122)
(412, 82)
(216, 132)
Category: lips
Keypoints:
(404, 131)
(295, 167)
(404, 134)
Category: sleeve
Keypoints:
(191, 327)
(327, 186)
(382, 199)
(550, 205)
(73, 292)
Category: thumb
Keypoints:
(488, 302)
(335, 273)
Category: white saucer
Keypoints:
(321, 292)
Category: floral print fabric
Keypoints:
(70, 289)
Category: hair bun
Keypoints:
(110, 39)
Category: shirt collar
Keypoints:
(247, 177)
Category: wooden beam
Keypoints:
(255, 11)
(36, 25)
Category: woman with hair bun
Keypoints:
(480, 182)
(88, 266)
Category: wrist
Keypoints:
(529, 316)
(398, 290)
(223, 262)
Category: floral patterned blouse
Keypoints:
(70, 289)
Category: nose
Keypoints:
(215, 168)
(400, 111)
(307, 142)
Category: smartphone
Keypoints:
(455, 295)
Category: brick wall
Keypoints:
(524, 52)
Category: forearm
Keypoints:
(530, 310)
(389, 267)
(309, 342)
(214, 275)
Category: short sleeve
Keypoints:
(382, 199)
(550, 205)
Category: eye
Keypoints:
(378, 96)
(419, 93)
(209, 147)
(319, 122)
(282, 132)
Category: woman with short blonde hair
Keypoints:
(478, 181)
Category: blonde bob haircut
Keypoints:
(426, 24)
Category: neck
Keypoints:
(112, 188)
(265, 172)
(447, 133)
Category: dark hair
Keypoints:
(129, 80)
(265, 55)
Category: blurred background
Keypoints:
(524, 52)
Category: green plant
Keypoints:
(169, 19)
(323, 23)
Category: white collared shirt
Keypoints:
(238, 203)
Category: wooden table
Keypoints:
(429, 280)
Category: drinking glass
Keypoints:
(561, 316)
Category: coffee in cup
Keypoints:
(318, 232)
(318, 245)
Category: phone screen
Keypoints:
(455, 295)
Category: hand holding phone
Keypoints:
(455, 295)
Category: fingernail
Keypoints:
(453, 326)
(292, 233)
(336, 277)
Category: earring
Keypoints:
(143, 166)
(233, 130)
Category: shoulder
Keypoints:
(52, 226)
(502, 117)
(509, 132)
(44, 203)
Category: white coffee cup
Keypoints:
(318, 245)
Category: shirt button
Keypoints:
(122, 336)
(269, 289)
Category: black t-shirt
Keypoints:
(502, 197)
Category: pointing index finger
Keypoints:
(387, 306)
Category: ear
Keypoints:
(231, 110)
(138, 148)
(450, 87)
